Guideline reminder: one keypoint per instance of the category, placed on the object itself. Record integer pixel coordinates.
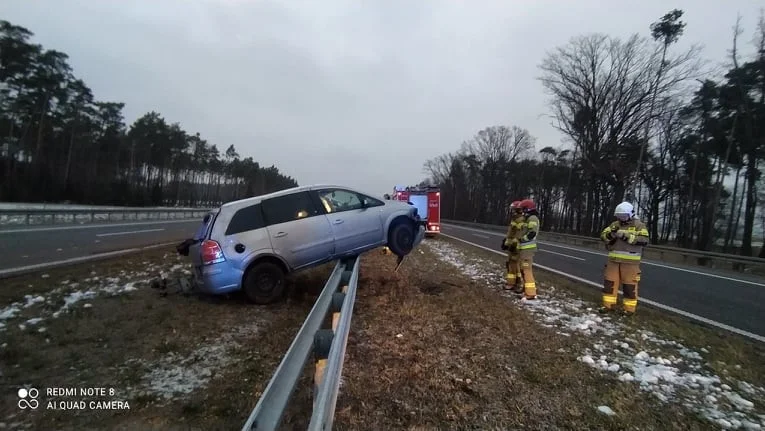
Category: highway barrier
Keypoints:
(11, 217)
(743, 264)
(324, 335)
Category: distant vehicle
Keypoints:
(427, 200)
(251, 244)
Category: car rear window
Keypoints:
(246, 219)
(204, 228)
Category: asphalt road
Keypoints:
(731, 298)
(36, 245)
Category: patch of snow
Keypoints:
(32, 300)
(665, 368)
(175, 375)
(9, 311)
(606, 411)
(34, 321)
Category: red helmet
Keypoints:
(527, 205)
(515, 205)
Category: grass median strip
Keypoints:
(176, 359)
(437, 345)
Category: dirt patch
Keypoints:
(470, 358)
(176, 359)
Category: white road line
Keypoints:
(95, 226)
(716, 324)
(481, 236)
(129, 232)
(645, 262)
(20, 270)
(561, 254)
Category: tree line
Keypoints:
(59, 143)
(642, 121)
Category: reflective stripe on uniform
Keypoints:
(630, 302)
(609, 299)
(527, 245)
(624, 255)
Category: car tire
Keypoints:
(401, 238)
(264, 283)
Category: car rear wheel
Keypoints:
(401, 238)
(264, 283)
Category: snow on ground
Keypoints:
(69, 295)
(177, 375)
(665, 368)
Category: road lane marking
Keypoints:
(562, 254)
(20, 270)
(481, 236)
(95, 226)
(129, 232)
(599, 286)
(644, 262)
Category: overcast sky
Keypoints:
(351, 92)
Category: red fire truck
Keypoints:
(427, 200)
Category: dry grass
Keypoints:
(430, 349)
(118, 341)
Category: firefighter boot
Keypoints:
(610, 287)
(510, 275)
(529, 283)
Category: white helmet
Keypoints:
(624, 211)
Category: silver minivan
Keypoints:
(251, 244)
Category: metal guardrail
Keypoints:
(27, 217)
(743, 264)
(328, 348)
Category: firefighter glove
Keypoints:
(504, 245)
(531, 235)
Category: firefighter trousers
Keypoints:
(626, 275)
(513, 275)
(527, 272)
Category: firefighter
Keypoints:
(625, 239)
(510, 244)
(527, 247)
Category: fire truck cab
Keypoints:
(427, 200)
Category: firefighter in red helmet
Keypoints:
(510, 244)
(527, 247)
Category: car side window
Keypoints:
(337, 200)
(246, 219)
(294, 206)
(372, 202)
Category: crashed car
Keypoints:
(252, 244)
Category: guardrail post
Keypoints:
(324, 337)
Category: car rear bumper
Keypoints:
(217, 279)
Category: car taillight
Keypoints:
(211, 252)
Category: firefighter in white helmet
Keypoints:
(625, 239)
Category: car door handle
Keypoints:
(338, 221)
(280, 234)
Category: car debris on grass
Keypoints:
(129, 325)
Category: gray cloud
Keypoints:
(351, 92)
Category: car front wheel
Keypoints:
(401, 238)
(264, 283)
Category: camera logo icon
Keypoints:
(28, 398)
